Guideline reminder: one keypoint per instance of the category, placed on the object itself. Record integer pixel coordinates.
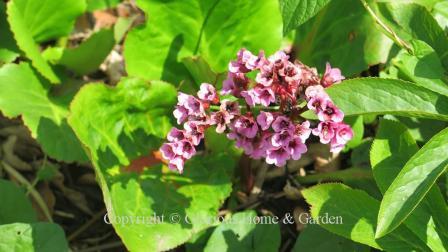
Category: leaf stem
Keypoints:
(394, 36)
(37, 197)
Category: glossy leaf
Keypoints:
(358, 212)
(413, 183)
(8, 48)
(392, 148)
(25, 94)
(16, 207)
(316, 239)
(127, 123)
(387, 96)
(297, 12)
(214, 29)
(240, 233)
(343, 34)
(38, 237)
(93, 5)
(415, 22)
(89, 55)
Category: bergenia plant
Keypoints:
(262, 115)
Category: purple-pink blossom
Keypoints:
(331, 76)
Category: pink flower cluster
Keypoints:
(275, 129)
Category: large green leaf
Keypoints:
(8, 48)
(356, 214)
(440, 12)
(121, 126)
(422, 67)
(413, 183)
(88, 56)
(16, 207)
(214, 29)
(46, 20)
(316, 239)
(392, 148)
(93, 5)
(415, 22)
(388, 96)
(343, 34)
(25, 94)
(241, 233)
(297, 12)
(37, 237)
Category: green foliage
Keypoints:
(240, 233)
(316, 239)
(88, 56)
(214, 29)
(93, 5)
(38, 237)
(8, 47)
(15, 205)
(297, 12)
(388, 96)
(392, 148)
(358, 212)
(340, 31)
(25, 94)
(125, 123)
(413, 183)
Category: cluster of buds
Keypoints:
(269, 124)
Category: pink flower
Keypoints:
(250, 96)
(290, 72)
(246, 126)
(231, 107)
(176, 135)
(234, 84)
(220, 119)
(279, 59)
(325, 131)
(282, 123)
(181, 114)
(245, 62)
(264, 96)
(266, 75)
(191, 103)
(194, 131)
(177, 164)
(184, 148)
(281, 138)
(296, 148)
(343, 134)
(265, 119)
(317, 98)
(277, 156)
(167, 151)
(331, 76)
(208, 93)
(303, 131)
(330, 112)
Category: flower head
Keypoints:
(331, 76)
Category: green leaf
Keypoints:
(46, 20)
(316, 239)
(440, 13)
(8, 48)
(392, 148)
(216, 30)
(240, 233)
(423, 67)
(358, 212)
(415, 22)
(413, 183)
(387, 96)
(343, 34)
(201, 72)
(123, 125)
(422, 129)
(88, 56)
(25, 94)
(16, 207)
(93, 5)
(38, 237)
(26, 42)
(297, 12)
